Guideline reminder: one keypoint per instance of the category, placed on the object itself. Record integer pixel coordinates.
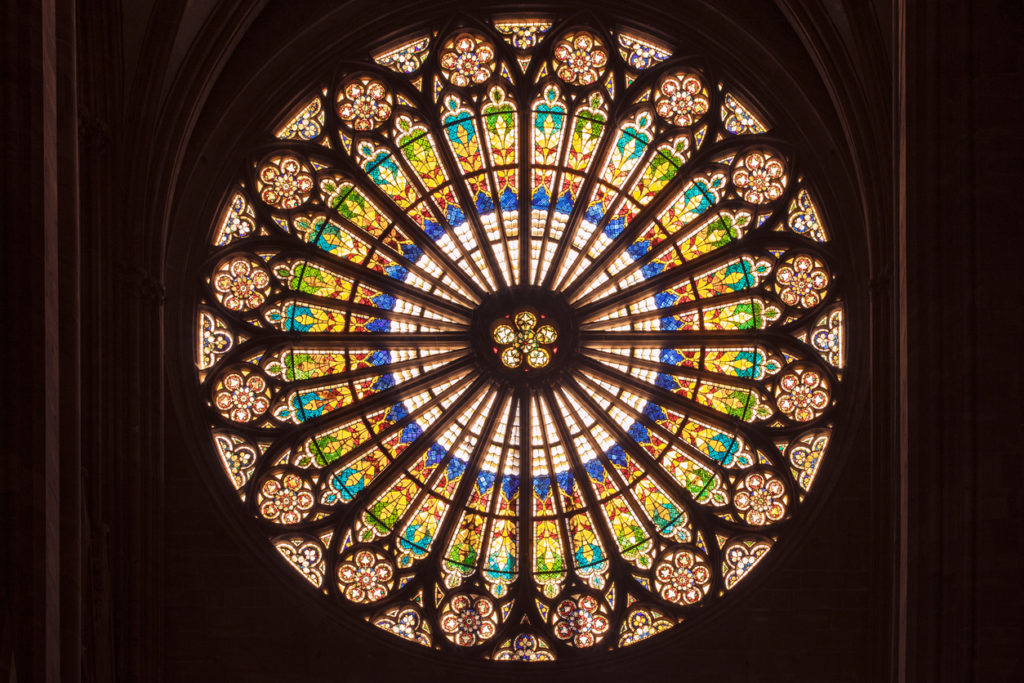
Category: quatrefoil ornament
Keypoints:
(524, 340)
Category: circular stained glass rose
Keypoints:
(531, 372)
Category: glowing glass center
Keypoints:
(519, 337)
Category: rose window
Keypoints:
(518, 346)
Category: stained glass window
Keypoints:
(523, 341)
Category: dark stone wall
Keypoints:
(963, 405)
(997, 432)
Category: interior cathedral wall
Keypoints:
(121, 562)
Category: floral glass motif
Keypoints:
(641, 623)
(737, 118)
(683, 576)
(803, 218)
(242, 395)
(760, 176)
(805, 455)
(522, 34)
(801, 280)
(215, 339)
(827, 337)
(524, 340)
(580, 621)
(238, 222)
(241, 284)
(525, 647)
(364, 104)
(405, 622)
(382, 399)
(237, 456)
(467, 59)
(306, 125)
(741, 555)
(468, 620)
(640, 54)
(761, 498)
(305, 555)
(681, 98)
(406, 58)
(580, 58)
(365, 576)
(802, 394)
(284, 182)
(285, 498)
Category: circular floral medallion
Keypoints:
(284, 182)
(524, 337)
(681, 98)
(580, 621)
(241, 283)
(364, 104)
(761, 498)
(683, 577)
(467, 59)
(285, 498)
(365, 576)
(801, 280)
(580, 58)
(242, 395)
(516, 370)
(760, 177)
(468, 620)
(802, 394)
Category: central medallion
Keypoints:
(524, 334)
(528, 340)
